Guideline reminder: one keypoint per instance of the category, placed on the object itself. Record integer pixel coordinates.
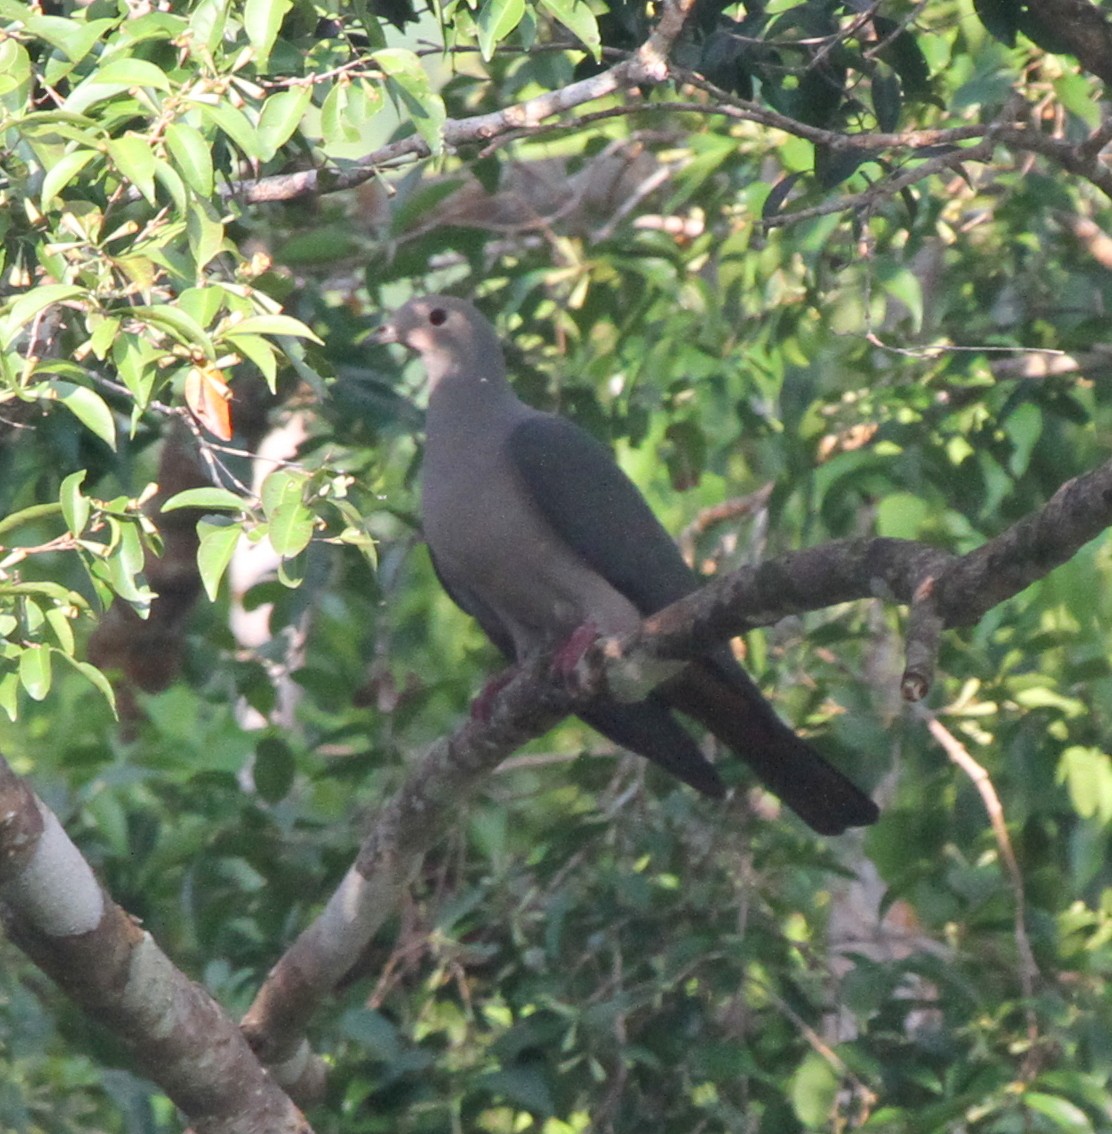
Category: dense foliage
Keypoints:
(892, 339)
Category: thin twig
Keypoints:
(960, 755)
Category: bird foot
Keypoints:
(572, 650)
(482, 708)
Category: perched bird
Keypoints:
(536, 532)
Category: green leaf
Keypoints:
(27, 306)
(291, 570)
(262, 20)
(35, 673)
(62, 172)
(119, 571)
(61, 625)
(96, 679)
(274, 768)
(524, 1086)
(192, 155)
(75, 505)
(814, 1089)
(901, 515)
(257, 350)
(205, 231)
(218, 544)
(29, 515)
(15, 75)
(334, 122)
(1064, 1114)
(271, 325)
(1087, 774)
(134, 158)
(234, 124)
(578, 18)
(887, 98)
(214, 499)
(281, 116)
(168, 178)
(207, 22)
(290, 521)
(9, 693)
(88, 407)
(132, 72)
(74, 38)
(181, 325)
(409, 86)
(497, 18)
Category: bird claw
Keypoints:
(573, 649)
(482, 708)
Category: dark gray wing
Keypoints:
(598, 511)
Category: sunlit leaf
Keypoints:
(35, 671)
(218, 544)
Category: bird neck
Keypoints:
(468, 397)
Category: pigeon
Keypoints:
(536, 532)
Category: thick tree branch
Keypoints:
(53, 908)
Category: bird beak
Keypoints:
(380, 336)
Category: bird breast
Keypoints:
(490, 540)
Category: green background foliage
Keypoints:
(592, 948)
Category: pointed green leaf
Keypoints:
(218, 544)
(281, 116)
(9, 693)
(74, 38)
(75, 505)
(35, 673)
(31, 303)
(181, 325)
(290, 520)
(88, 407)
(134, 158)
(234, 124)
(132, 72)
(205, 231)
(62, 172)
(214, 499)
(167, 177)
(192, 156)
(257, 350)
(578, 18)
(271, 325)
(262, 20)
(95, 678)
(497, 18)
(408, 84)
(61, 624)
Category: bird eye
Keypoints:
(438, 316)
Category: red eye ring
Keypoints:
(438, 316)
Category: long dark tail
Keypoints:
(720, 695)
(649, 729)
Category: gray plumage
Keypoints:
(534, 530)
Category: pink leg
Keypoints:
(571, 651)
(483, 705)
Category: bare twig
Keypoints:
(960, 755)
